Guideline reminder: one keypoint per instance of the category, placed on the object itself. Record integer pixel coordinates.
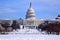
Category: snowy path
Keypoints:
(29, 36)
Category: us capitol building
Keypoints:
(30, 19)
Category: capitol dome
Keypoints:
(30, 13)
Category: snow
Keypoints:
(28, 34)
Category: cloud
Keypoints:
(7, 10)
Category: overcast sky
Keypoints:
(15, 9)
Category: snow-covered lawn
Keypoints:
(28, 34)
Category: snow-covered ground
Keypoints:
(28, 34)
